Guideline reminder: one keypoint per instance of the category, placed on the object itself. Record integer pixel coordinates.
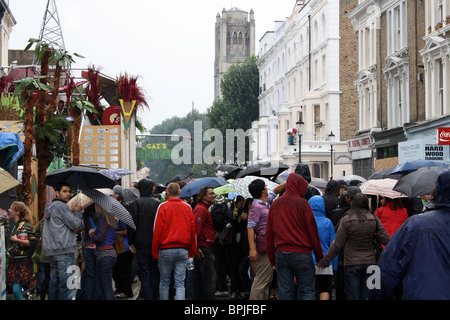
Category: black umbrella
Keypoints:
(384, 174)
(160, 188)
(79, 178)
(420, 182)
(266, 169)
(230, 170)
(111, 206)
(180, 177)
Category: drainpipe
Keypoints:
(309, 50)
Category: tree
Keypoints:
(239, 106)
(163, 170)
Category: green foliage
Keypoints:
(51, 131)
(239, 105)
(162, 171)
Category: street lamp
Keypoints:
(331, 137)
(300, 125)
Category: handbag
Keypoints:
(376, 242)
(226, 238)
(119, 244)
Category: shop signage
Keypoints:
(343, 158)
(359, 143)
(417, 149)
(443, 136)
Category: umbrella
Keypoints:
(282, 177)
(180, 177)
(142, 173)
(193, 187)
(319, 183)
(413, 165)
(240, 185)
(291, 130)
(381, 187)
(79, 178)
(7, 181)
(11, 149)
(160, 188)
(231, 170)
(116, 174)
(130, 194)
(353, 177)
(266, 169)
(225, 188)
(420, 182)
(383, 174)
(111, 206)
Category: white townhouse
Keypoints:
(299, 82)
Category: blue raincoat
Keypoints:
(418, 255)
(324, 226)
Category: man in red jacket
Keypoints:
(291, 236)
(204, 262)
(173, 241)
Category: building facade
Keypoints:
(299, 66)
(7, 23)
(234, 41)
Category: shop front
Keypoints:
(386, 145)
(427, 141)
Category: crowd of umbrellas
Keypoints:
(409, 179)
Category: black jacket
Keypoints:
(143, 210)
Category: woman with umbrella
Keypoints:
(104, 236)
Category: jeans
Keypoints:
(90, 284)
(300, 266)
(172, 260)
(60, 287)
(355, 278)
(147, 269)
(104, 270)
(205, 275)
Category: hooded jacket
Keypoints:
(143, 210)
(291, 225)
(418, 255)
(331, 197)
(324, 226)
(58, 235)
(302, 169)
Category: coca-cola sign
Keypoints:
(443, 136)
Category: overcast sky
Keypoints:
(169, 44)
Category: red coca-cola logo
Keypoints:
(443, 136)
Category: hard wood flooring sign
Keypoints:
(100, 145)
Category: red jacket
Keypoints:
(174, 227)
(291, 225)
(204, 227)
(391, 219)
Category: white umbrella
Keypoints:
(240, 185)
(381, 187)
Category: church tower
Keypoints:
(234, 41)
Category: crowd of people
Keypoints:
(293, 242)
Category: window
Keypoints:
(397, 28)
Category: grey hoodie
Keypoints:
(58, 236)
